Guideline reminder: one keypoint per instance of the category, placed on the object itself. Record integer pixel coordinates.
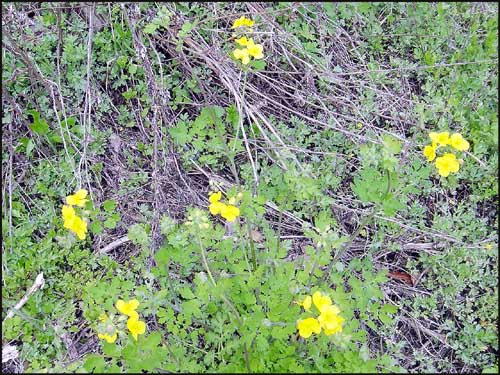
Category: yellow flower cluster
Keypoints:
(328, 319)
(108, 330)
(134, 325)
(242, 22)
(447, 163)
(110, 334)
(228, 211)
(71, 220)
(250, 50)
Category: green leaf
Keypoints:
(129, 94)
(94, 363)
(150, 28)
(389, 309)
(132, 69)
(110, 223)
(186, 293)
(162, 256)
(138, 235)
(152, 340)
(180, 133)
(191, 307)
(96, 227)
(109, 205)
(122, 61)
(39, 125)
(392, 144)
(186, 28)
(258, 65)
(111, 350)
(384, 318)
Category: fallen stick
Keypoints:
(113, 245)
(39, 281)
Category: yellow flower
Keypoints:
(128, 308)
(430, 151)
(216, 207)
(321, 301)
(79, 227)
(442, 138)
(215, 197)
(109, 338)
(330, 321)
(136, 327)
(73, 222)
(242, 21)
(243, 41)
(77, 199)
(458, 142)
(242, 54)
(447, 164)
(230, 212)
(307, 327)
(306, 303)
(68, 213)
(488, 246)
(255, 50)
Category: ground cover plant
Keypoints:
(249, 187)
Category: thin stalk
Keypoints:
(314, 264)
(205, 262)
(226, 301)
(363, 223)
(280, 218)
(229, 155)
(252, 246)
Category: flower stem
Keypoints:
(225, 299)
(252, 246)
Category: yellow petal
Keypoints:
(443, 138)
(133, 304)
(429, 153)
(77, 199)
(242, 21)
(230, 212)
(79, 227)
(243, 41)
(136, 327)
(458, 142)
(128, 308)
(109, 338)
(306, 303)
(433, 136)
(308, 326)
(216, 207)
(256, 51)
(120, 305)
(215, 197)
(321, 301)
(68, 212)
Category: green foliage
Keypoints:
(209, 136)
(378, 181)
(250, 312)
(223, 298)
